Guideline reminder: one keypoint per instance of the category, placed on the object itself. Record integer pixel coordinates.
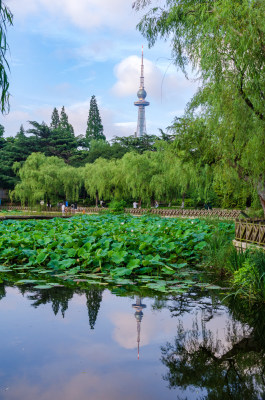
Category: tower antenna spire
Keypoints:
(142, 70)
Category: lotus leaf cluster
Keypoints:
(157, 252)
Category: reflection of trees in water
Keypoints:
(230, 367)
(2, 291)
(58, 297)
(193, 299)
(93, 300)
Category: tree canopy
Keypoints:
(224, 43)
(46, 178)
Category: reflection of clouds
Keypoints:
(9, 302)
(112, 385)
(152, 328)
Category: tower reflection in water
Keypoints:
(138, 306)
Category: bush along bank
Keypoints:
(245, 271)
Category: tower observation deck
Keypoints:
(141, 103)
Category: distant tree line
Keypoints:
(48, 162)
(58, 139)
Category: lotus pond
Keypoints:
(152, 252)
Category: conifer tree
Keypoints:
(64, 124)
(2, 130)
(94, 125)
(21, 133)
(55, 119)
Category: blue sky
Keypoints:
(64, 51)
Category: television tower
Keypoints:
(141, 103)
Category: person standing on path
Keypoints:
(135, 204)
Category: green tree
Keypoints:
(64, 123)
(60, 142)
(2, 140)
(139, 171)
(14, 149)
(42, 132)
(46, 178)
(138, 144)
(6, 18)
(99, 179)
(98, 148)
(21, 133)
(94, 126)
(55, 119)
(224, 42)
(223, 39)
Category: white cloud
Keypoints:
(160, 85)
(85, 14)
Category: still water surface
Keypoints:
(75, 345)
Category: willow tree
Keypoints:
(224, 42)
(173, 177)
(98, 179)
(6, 18)
(44, 178)
(194, 154)
(138, 171)
(71, 180)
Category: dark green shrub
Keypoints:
(117, 206)
(220, 252)
(249, 281)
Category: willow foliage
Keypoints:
(47, 178)
(224, 42)
(98, 178)
(6, 18)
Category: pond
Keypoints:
(71, 344)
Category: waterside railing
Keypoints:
(250, 231)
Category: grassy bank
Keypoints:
(245, 271)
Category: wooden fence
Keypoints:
(232, 214)
(250, 231)
(178, 212)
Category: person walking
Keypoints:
(135, 204)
